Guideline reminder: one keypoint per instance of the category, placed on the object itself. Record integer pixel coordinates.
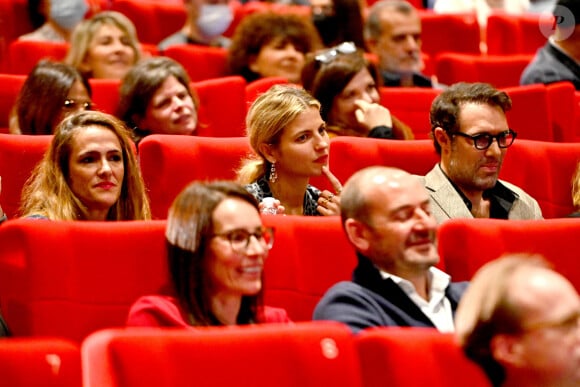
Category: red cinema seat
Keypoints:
(310, 254)
(411, 105)
(526, 32)
(11, 85)
(530, 115)
(387, 354)
(105, 94)
(24, 54)
(256, 88)
(49, 362)
(154, 21)
(467, 244)
(562, 104)
(200, 62)
(169, 162)
(307, 354)
(499, 71)
(69, 279)
(222, 110)
(19, 154)
(440, 33)
(350, 154)
(544, 170)
(14, 21)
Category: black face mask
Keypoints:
(327, 27)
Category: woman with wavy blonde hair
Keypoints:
(291, 145)
(89, 172)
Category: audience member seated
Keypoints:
(386, 215)
(519, 320)
(206, 22)
(393, 33)
(576, 193)
(216, 248)
(272, 45)
(291, 145)
(51, 92)
(60, 19)
(104, 46)
(90, 172)
(156, 98)
(338, 21)
(346, 84)
(465, 121)
(559, 59)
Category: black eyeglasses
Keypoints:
(240, 239)
(484, 140)
(329, 55)
(71, 104)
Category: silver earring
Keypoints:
(273, 174)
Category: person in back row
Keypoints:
(471, 134)
(386, 215)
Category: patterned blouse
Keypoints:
(260, 189)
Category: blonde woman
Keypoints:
(104, 46)
(291, 145)
(89, 172)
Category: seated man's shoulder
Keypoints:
(525, 206)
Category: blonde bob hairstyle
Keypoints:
(84, 33)
(47, 192)
(267, 118)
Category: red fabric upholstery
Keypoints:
(11, 85)
(410, 105)
(500, 71)
(530, 115)
(68, 279)
(222, 111)
(415, 357)
(24, 55)
(562, 104)
(525, 33)
(14, 21)
(105, 94)
(350, 154)
(260, 86)
(544, 170)
(200, 62)
(307, 355)
(440, 33)
(18, 156)
(310, 254)
(467, 244)
(47, 362)
(168, 163)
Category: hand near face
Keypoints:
(371, 115)
(328, 202)
(275, 208)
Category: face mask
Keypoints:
(327, 28)
(214, 19)
(68, 13)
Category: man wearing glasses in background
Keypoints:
(471, 134)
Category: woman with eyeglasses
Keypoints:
(346, 84)
(290, 146)
(51, 92)
(216, 248)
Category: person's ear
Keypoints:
(507, 349)
(442, 138)
(357, 233)
(269, 152)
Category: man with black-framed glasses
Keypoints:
(471, 134)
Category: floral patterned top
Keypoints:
(260, 189)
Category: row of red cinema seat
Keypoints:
(307, 354)
(540, 112)
(71, 290)
(168, 163)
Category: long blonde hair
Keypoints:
(265, 122)
(47, 192)
(576, 189)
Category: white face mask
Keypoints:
(68, 13)
(214, 19)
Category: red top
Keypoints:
(164, 311)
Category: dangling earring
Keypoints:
(273, 174)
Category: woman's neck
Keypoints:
(97, 214)
(290, 191)
(226, 307)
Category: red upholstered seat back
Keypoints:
(308, 354)
(415, 357)
(25, 54)
(440, 33)
(11, 85)
(527, 33)
(200, 62)
(68, 279)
